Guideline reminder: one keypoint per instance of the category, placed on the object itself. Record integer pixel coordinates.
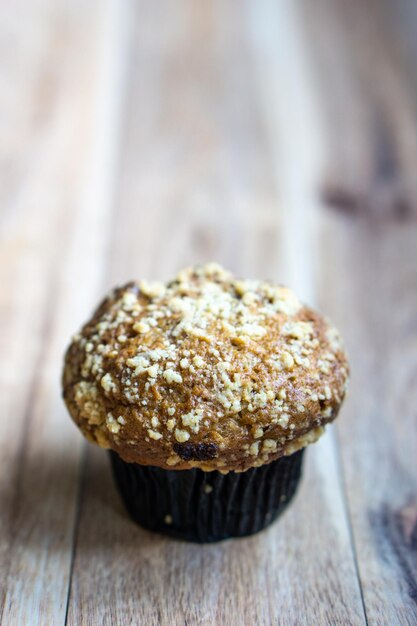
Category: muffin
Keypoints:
(206, 391)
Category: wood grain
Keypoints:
(368, 279)
(141, 137)
(378, 435)
(52, 261)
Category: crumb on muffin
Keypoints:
(205, 371)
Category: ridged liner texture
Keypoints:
(204, 507)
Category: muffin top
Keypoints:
(206, 371)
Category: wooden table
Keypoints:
(280, 139)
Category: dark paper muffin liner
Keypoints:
(203, 507)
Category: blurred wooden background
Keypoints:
(280, 139)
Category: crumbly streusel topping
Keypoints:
(206, 371)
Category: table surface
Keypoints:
(280, 139)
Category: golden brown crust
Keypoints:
(207, 371)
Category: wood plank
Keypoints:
(53, 226)
(199, 166)
(369, 283)
(365, 62)
(297, 131)
(378, 434)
